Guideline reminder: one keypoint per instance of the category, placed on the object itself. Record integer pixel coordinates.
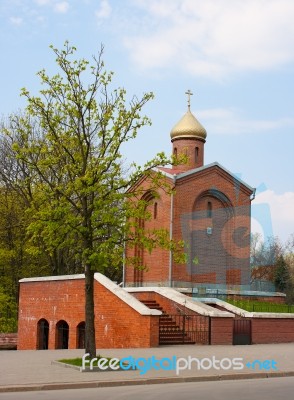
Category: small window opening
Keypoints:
(209, 209)
(155, 211)
(196, 154)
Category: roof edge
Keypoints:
(214, 164)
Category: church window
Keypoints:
(209, 209)
(175, 152)
(196, 153)
(155, 211)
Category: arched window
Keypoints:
(155, 211)
(209, 210)
(81, 335)
(62, 331)
(42, 334)
(196, 154)
(175, 152)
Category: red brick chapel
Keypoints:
(209, 210)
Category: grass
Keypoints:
(258, 306)
(78, 361)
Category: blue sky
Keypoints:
(236, 56)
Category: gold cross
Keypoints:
(189, 94)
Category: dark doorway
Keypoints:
(42, 334)
(242, 332)
(62, 330)
(81, 335)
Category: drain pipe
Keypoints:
(124, 266)
(171, 225)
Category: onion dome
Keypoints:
(188, 128)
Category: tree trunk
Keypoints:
(89, 312)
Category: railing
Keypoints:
(186, 328)
(256, 306)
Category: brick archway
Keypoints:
(209, 258)
(42, 334)
(81, 335)
(62, 335)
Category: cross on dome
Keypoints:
(189, 94)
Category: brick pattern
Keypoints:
(221, 330)
(275, 330)
(169, 306)
(223, 256)
(192, 149)
(53, 301)
(8, 341)
(269, 299)
(120, 326)
(116, 323)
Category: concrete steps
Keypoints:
(170, 332)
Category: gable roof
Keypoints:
(175, 174)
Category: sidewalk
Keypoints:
(32, 370)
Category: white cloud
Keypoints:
(104, 10)
(61, 7)
(213, 38)
(16, 20)
(281, 210)
(42, 2)
(231, 121)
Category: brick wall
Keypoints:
(223, 256)
(187, 148)
(272, 330)
(169, 306)
(8, 341)
(117, 325)
(269, 299)
(120, 326)
(221, 330)
(157, 262)
(53, 301)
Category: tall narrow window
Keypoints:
(81, 335)
(62, 334)
(42, 334)
(209, 209)
(155, 211)
(196, 153)
(175, 152)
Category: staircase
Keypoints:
(170, 332)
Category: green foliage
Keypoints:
(282, 275)
(65, 152)
(8, 313)
(258, 306)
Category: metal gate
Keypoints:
(242, 331)
(184, 329)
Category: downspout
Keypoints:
(171, 225)
(124, 266)
(252, 197)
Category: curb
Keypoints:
(149, 381)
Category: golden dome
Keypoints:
(188, 127)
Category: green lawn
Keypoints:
(79, 362)
(258, 306)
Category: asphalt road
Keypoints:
(255, 389)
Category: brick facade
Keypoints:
(209, 211)
(272, 330)
(116, 323)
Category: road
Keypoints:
(256, 389)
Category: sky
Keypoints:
(236, 56)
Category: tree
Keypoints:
(70, 141)
(282, 275)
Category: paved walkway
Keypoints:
(32, 370)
